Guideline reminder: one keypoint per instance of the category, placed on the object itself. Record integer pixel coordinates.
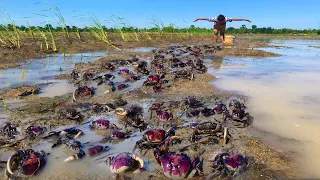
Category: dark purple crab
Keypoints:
(124, 72)
(177, 166)
(98, 149)
(82, 92)
(124, 162)
(35, 131)
(164, 115)
(28, 161)
(102, 124)
(122, 86)
(229, 164)
(220, 108)
(153, 138)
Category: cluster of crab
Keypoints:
(177, 165)
(178, 62)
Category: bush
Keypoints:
(318, 32)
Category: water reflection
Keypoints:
(283, 92)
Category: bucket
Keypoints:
(228, 40)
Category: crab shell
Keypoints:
(37, 130)
(97, 150)
(154, 78)
(124, 71)
(122, 86)
(220, 108)
(33, 163)
(100, 124)
(118, 135)
(176, 166)
(125, 161)
(236, 162)
(155, 135)
(164, 116)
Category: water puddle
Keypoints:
(284, 97)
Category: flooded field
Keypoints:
(284, 97)
(284, 113)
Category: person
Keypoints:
(220, 25)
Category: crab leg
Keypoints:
(141, 162)
(79, 155)
(225, 132)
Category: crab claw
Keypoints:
(74, 95)
(79, 155)
(79, 134)
(141, 163)
(14, 160)
(121, 112)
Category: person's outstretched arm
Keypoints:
(240, 19)
(206, 19)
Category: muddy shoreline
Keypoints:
(269, 163)
(11, 58)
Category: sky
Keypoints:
(296, 14)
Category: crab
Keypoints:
(104, 79)
(83, 91)
(74, 75)
(237, 104)
(153, 79)
(124, 72)
(131, 112)
(98, 149)
(141, 67)
(177, 165)
(136, 122)
(229, 164)
(6, 129)
(240, 116)
(102, 124)
(35, 131)
(115, 137)
(69, 133)
(71, 114)
(71, 145)
(183, 74)
(191, 102)
(124, 162)
(153, 138)
(212, 129)
(220, 108)
(96, 107)
(28, 161)
(122, 86)
(164, 115)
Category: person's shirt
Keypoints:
(214, 19)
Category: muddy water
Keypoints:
(42, 71)
(284, 98)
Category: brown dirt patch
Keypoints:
(23, 90)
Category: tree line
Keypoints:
(169, 29)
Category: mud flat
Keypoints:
(267, 163)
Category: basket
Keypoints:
(229, 40)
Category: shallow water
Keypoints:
(284, 97)
(42, 71)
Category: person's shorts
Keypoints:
(220, 28)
